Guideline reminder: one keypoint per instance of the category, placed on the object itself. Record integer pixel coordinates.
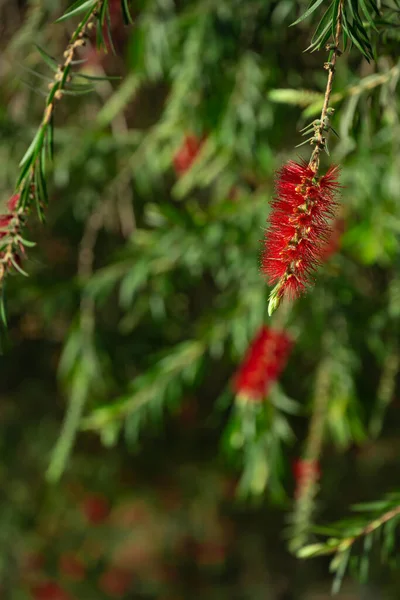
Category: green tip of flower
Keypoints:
(274, 300)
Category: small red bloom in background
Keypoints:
(210, 554)
(13, 202)
(115, 582)
(49, 590)
(263, 363)
(187, 153)
(71, 567)
(4, 223)
(299, 228)
(305, 470)
(95, 508)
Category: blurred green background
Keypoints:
(144, 293)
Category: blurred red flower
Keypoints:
(95, 508)
(49, 590)
(13, 202)
(305, 470)
(72, 567)
(115, 582)
(187, 153)
(264, 361)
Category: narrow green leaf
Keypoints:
(25, 193)
(321, 40)
(83, 23)
(23, 172)
(109, 34)
(36, 74)
(366, 12)
(76, 92)
(351, 32)
(126, 14)
(52, 93)
(340, 570)
(26, 243)
(325, 19)
(100, 41)
(49, 60)
(50, 138)
(335, 15)
(31, 149)
(103, 12)
(374, 7)
(94, 78)
(305, 142)
(18, 268)
(3, 313)
(351, 9)
(76, 9)
(65, 76)
(311, 550)
(42, 176)
(308, 12)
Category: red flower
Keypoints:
(49, 590)
(187, 153)
(115, 582)
(264, 361)
(305, 470)
(13, 202)
(72, 567)
(4, 223)
(299, 228)
(95, 508)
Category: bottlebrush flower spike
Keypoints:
(263, 363)
(304, 471)
(187, 153)
(299, 228)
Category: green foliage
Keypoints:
(158, 270)
(377, 524)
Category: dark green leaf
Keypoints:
(49, 60)
(76, 9)
(126, 14)
(308, 12)
(366, 12)
(335, 15)
(18, 268)
(322, 25)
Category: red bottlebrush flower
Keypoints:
(5, 221)
(115, 582)
(211, 554)
(299, 228)
(72, 567)
(263, 363)
(305, 470)
(13, 202)
(96, 509)
(187, 153)
(49, 590)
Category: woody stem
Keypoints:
(319, 132)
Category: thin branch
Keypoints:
(320, 141)
(308, 481)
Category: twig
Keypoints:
(307, 486)
(320, 141)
